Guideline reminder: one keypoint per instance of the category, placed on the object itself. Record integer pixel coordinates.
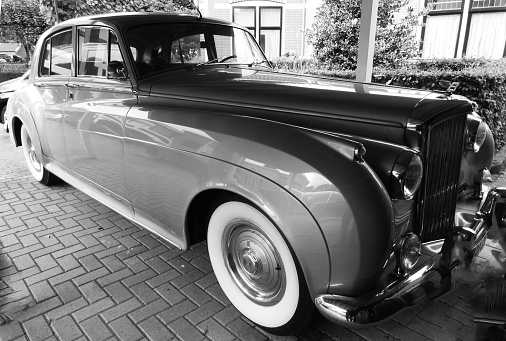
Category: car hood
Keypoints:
(317, 102)
(13, 84)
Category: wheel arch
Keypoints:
(315, 264)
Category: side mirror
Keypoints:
(116, 69)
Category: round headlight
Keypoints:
(407, 251)
(406, 175)
(476, 133)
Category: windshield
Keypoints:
(168, 46)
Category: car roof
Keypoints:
(125, 19)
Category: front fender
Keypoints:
(19, 114)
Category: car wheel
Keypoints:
(38, 171)
(256, 269)
(3, 117)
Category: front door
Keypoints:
(99, 99)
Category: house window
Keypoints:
(488, 3)
(245, 16)
(266, 29)
(270, 31)
(445, 5)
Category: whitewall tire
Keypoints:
(33, 160)
(256, 268)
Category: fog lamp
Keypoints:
(407, 252)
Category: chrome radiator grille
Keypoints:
(438, 195)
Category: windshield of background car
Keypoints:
(168, 46)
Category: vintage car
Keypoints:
(7, 88)
(310, 192)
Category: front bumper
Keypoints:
(431, 278)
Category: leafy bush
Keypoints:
(336, 29)
(10, 71)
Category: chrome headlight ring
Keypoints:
(406, 175)
(476, 133)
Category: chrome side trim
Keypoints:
(431, 278)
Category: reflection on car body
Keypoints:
(311, 192)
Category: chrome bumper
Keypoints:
(430, 279)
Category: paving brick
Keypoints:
(68, 240)
(132, 252)
(202, 264)
(115, 276)
(46, 262)
(91, 276)
(93, 309)
(66, 276)
(11, 331)
(92, 291)
(186, 331)
(121, 309)
(207, 281)
(68, 262)
(44, 275)
(47, 250)
(66, 328)
(227, 315)
(25, 250)
(187, 278)
(149, 310)
(158, 264)
(68, 250)
(204, 312)
(144, 293)
(194, 252)
(93, 250)
(243, 331)
(37, 329)
(118, 292)
(67, 291)
(29, 240)
(23, 262)
(42, 291)
(95, 329)
(66, 309)
(216, 291)
(215, 332)
(170, 294)
(399, 331)
(139, 278)
(135, 264)
(16, 276)
(38, 309)
(163, 278)
(90, 263)
(128, 242)
(181, 265)
(126, 330)
(177, 311)
(197, 295)
(155, 330)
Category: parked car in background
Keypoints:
(7, 88)
(310, 192)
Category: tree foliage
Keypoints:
(22, 22)
(336, 29)
(66, 9)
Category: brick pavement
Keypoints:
(71, 269)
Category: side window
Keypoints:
(57, 55)
(92, 51)
(99, 53)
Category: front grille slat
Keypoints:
(438, 194)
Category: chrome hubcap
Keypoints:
(253, 262)
(32, 155)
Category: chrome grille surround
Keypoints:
(437, 197)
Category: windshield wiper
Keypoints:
(259, 63)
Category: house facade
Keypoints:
(456, 28)
(278, 25)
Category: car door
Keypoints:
(99, 99)
(53, 74)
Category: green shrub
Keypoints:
(10, 71)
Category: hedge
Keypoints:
(10, 71)
(482, 81)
